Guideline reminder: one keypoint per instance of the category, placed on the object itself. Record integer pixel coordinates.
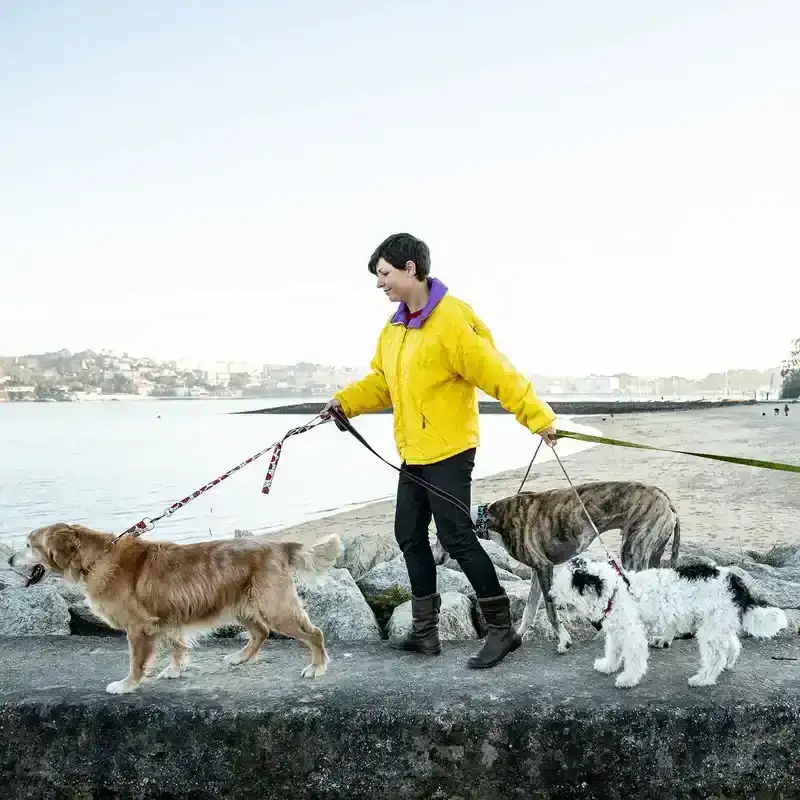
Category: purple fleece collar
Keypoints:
(437, 290)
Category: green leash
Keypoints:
(746, 462)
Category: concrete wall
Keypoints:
(382, 724)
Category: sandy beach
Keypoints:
(720, 504)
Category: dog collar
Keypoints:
(481, 523)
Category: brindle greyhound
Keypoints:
(544, 529)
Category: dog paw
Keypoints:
(661, 643)
(234, 659)
(122, 687)
(564, 646)
(313, 670)
(170, 672)
(701, 680)
(626, 681)
(602, 665)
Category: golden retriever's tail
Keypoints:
(312, 560)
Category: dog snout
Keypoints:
(11, 561)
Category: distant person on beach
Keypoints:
(431, 355)
(786, 409)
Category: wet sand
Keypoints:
(720, 504)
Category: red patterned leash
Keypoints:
(277, 448)
(147, 524)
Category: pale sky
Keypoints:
(612, 186)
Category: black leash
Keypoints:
(528, 471)
(344, 424)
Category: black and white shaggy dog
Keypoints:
(710, 601)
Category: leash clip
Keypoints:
(481, 523)
(144, 526)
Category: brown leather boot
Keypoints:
(424, 635)
(502, 638)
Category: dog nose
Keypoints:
(11, 561)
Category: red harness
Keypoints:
(610, 604)
(609, 607)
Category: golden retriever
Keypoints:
(164, 592)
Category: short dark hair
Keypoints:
(400, 248)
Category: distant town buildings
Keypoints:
(597, 384)
(74, 376)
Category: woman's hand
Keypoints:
(549, 436)
(333, 403)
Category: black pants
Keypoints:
(415, 505)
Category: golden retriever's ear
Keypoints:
(60, 547)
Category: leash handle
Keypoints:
(273, 465)
(277, 449)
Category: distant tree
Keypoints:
(119, 384)
(790, 373)
(238, 380)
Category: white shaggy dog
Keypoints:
(712, 602)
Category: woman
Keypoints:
(431, 355)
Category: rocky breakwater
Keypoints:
(366, 596)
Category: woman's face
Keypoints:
(396, 284)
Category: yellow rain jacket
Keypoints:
(426, 368)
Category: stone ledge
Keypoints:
(385, 724)
(571, 408)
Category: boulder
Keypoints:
(500, 558)
(793, 628)
(502, 574)
(455, 618)
(363, 551)
(392, 575)
(779, 555)
(721, 556)
(8, 577)
(517, 592)
(771, 588)
(776, 585)
(789, 557)
(38, 611)
(542, 630)
(338, 608)
(83, 621)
